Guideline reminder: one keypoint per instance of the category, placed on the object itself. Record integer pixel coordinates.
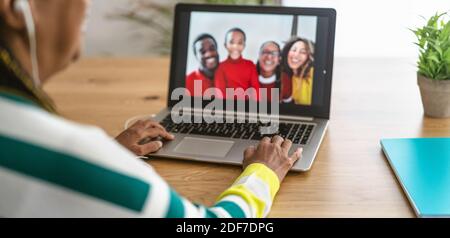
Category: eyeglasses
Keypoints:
(270, 53)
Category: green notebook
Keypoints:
(422, 167)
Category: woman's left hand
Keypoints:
(143, 137)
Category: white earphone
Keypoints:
(23, 6)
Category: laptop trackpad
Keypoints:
(204, 147)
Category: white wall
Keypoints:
(376, 28)
(112, 37)
(365, 28)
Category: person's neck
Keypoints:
(18, 45)
(234, 60)
(208, 73)
(18, 49)
(17, 63)
(266, 74)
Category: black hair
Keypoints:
(1, 27)
(277, 69)
(235, 29)
(284, 55)
(202, 37)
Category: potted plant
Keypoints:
(433, 74)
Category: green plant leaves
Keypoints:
(433, 41)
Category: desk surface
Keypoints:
(372, 99)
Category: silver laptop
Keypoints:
(227, 59)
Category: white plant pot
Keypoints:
(435, 96)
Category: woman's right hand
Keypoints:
(138, 138)
(274, 154)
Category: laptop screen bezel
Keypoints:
(180, 49)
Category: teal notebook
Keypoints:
(422, 167)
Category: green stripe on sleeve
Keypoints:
(210, 214)
(73, 173)
(16, 98)
(232, 208)
(176, 207)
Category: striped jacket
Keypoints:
(52, 167)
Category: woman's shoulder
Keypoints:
(37, 128)
(223, 64)
(27, 121)
(248, 62)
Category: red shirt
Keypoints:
(240, 73)
(285, 91)
(268, 87)
(197, 76)
(286, 87)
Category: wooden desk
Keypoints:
(372, 99)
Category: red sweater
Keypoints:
(286, 87)
(285, 91)
(197, 76)
(240, 73)
(268, 87)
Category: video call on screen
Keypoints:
(245, 51)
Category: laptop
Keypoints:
(239, 73)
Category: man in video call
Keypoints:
(205, 50)
(236, 72)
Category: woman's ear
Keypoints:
(11, 17)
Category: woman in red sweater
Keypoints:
(268, 68)
(236, 72)
(269, 71)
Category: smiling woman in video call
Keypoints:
(53, 167)
(297, 64)
(268, 66)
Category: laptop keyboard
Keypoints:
(298, 133)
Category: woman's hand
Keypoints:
(142, 137)
(274, 154)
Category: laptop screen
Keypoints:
(271, 55)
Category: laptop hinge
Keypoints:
(244, 114)
(296, 118)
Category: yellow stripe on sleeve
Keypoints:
(264, 173)
(259, 205)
